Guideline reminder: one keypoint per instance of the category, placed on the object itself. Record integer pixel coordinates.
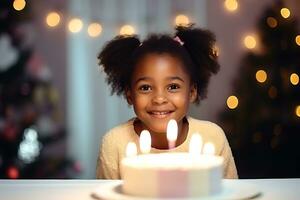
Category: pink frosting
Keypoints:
(170, 187)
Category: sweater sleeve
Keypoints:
(230, 171)
(107, 163)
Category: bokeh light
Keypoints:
(75, 25)
(127, 30)
(13, 172)
(261, 76)
(232, 102)
(94, 29)
(53, 19)
(297, 40)
(250, 42)
(19, 4)
(297, 111)
(231, 5)
(285, 12)
(272, 22)
(182, 20)
(294, 78)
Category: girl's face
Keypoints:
(160, 90)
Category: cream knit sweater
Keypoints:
(114, 143)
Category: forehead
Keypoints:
(159, 65)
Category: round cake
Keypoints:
(172, 175)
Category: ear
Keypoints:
(193, 93)
(128, 96)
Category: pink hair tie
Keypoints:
(177, 39)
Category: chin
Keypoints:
(162, 128)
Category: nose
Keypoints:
(159, 98)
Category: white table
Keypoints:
(273, 189)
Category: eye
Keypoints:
(173, 87)
(145, 88)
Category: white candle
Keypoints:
(172, 132)
(131, 149)
(145, 141)
(195, 145)
(209, 149)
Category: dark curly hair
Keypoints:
(120, 55)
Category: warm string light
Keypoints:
(53, 19)
(272, 22)
(94, 29)
(19, 4)
(231, 5)
(285, 13)
(297, 40)
(297, 111)
(261, 76)
(294, 78)
(182, 20)
(75, 25)
(232, 102)
(250, 42)
(127, 30)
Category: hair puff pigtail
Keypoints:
(200, 45)
(116, 59)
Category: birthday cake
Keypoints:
(168, 175)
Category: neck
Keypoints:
(159, 140)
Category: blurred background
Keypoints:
(55, 105)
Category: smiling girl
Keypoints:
(160, 77)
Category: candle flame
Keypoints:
(209, 149)
(131, 149)
(145, 141)
(172, 130)
(196, 144)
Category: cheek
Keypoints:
(140, 101)
(181, 99)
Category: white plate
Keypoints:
(230, 190)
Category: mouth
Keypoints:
(160, 114)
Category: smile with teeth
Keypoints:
(160, 113)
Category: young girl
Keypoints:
(160, 77)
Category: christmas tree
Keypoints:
(263, 119)
(30, 121)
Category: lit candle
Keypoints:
(145, 142)
(172, 132)
(195, 145)
(209, 149)
(131, 149)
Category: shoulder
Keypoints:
(209, 131)
(120, 131)
(205, 126)
(119, 136)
